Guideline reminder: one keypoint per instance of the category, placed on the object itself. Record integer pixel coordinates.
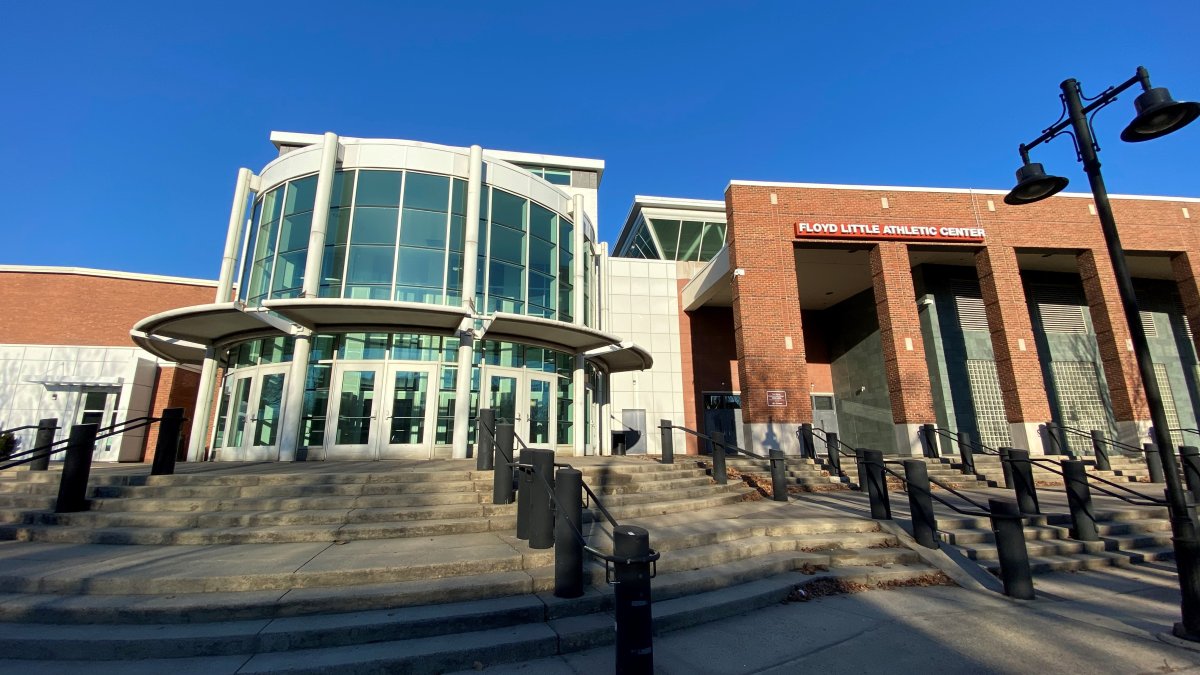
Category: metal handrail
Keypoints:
(23, 428)
(1047, 462)
(1109, 441)
(725, 444)
(977, 445)
(825, 437)
(103, 432)
(1190, 431)
(985, 513)
(607, 557)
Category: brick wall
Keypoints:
(77, 309)
(766, 304)
(709, 361)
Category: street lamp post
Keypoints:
(1157, 115)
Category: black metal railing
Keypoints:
(550, 499)
(1005, 515)
(81, 443)
(1100, 442)
(720, 473)
(835, 449)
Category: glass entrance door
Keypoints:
(354, 413)
(526, 400)
(255, 411)
(408, 417)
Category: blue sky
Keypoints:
(124, 123)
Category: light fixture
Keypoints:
(1034, 184)
(1158, 115)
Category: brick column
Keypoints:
(903, 346)
(1020, 371)
(1116, 349)
(176, 388)
(766, 322)
(1186, 269)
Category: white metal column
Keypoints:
(289, 425)
(466, 344)
(208, 371)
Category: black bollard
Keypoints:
(77, 466)
(1100, 451)
(631, 595)
(927, 435)
(1006, 467)
(524, 492)
(568, 526)
(872, 463)
(1049, 439)
(779, 476)
(485, 452)
(668, 441)
(1010, 548)
(718, 458)
(167, 445)
(44, 439)
(1023, 485)
(1079, 499)
(808, 449)
(1154, 463)
(920, 503)
(966, 452)
(502, 477)
(1190, 456)
(541, 507)
(832, 451)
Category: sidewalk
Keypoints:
(1104, 622)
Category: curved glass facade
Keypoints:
(399, 235)
(409, 378)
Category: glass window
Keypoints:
(300, 195)
(343, 188)
(508, 209)
(541, 294)
(272, 204)
(420, 267)
(714, 239)
(288, 278)
(293, 235)
(423, 228)
(689, 240)
(458, 197)
(333, 268)
(370, 265)
(378, 188)
(411, 347)
(668, 235)
(427, 192)
(541, 256)
(557, 176)
(541, 222)
(508, 244)
(368, 291)
(374, 225)
(369, 346)
(505, 282)
(507, 354)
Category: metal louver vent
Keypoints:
(1148, 324)
(1061, 309)
(1187, 325)
(968, 302)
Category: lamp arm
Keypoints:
(1107, 96)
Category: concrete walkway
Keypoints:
(1101, 622)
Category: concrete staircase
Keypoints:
(286, 568)
(1127, 536)
(803, 475)
(1125, 469)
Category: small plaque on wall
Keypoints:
(776, 398)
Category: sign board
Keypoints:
(896, 232)
(776, 398)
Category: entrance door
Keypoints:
(354, 412)
(525, 400)
(824, 414)
(408, 418)
(255, 411)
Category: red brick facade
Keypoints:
(762, 239)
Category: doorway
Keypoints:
(381, 411)
(526, 400)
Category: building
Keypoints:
(368, 285)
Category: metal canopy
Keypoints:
(314, 313)
(622, 357)
(567, 337)
(201, 324)
(169, 349)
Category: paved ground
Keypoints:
(1103, 622)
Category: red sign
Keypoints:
(877, 231)
(776, 398)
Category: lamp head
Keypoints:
(1033, 184)
(1158, 115)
